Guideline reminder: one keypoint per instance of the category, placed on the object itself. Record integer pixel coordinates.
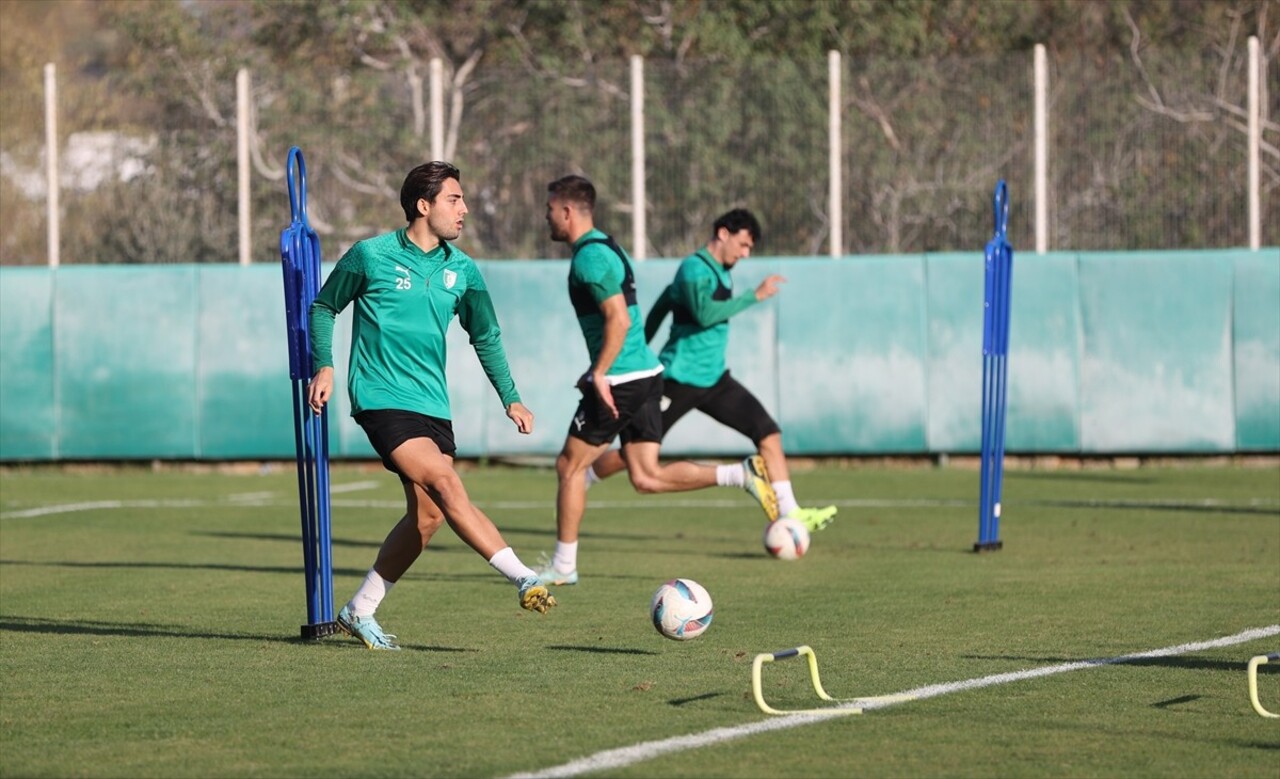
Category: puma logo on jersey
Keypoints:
(405, 282)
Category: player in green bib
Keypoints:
(701, 301)
(622, 388)
(406, 288)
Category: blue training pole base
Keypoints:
(319, 631)
(988, 546)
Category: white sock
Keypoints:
(506, 563)
(730, 475)
(565, 560)
(591, 479)
(786, 498)
(370, 595)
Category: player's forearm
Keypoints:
(321, 319)
(337, 293)
(616, 325)
(493, 359)
(653, 322)
(478, 318)
(707, 312)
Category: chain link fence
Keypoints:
(1143, 154)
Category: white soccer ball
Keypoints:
(681, 609)
(786, 539)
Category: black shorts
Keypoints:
(639, 413)
(388, 428)
(726, 401)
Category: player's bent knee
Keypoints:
(429, 522)
(645, 484)
(442, 485)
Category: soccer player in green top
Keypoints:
(407, 286)
(622, 389)
(701, 301)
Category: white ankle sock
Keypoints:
(370, 594)
(786, 498)
(565, 560)
(592, 478)
(730, 475)
(506, 563)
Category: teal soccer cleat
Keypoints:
(366, 629)
(551, 577)
(534, 595)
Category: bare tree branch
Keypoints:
(1134, 45)
(459, 83)
(377, 188)
(873, 109)
(200, 84)
(1186, 117)
(1225, 70)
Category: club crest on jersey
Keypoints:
(449, 278)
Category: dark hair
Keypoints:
(574, 189)
(425, 182)
(736, 220)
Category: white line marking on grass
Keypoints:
(250, 497)
(934, 690)
(1138, 503)
(638, 753)
(888, 503)
(270, 499)
(68, 508)
(242, 499)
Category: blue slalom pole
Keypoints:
(300, 261)
(998, 276)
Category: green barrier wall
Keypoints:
(1139, 352)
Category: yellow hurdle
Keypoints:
(846, 707)
(1253, 682)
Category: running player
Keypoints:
(622, 389)
(701, 301)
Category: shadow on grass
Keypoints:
(966, 551)
(1181, 662)
(286, 537)
(140, 565)
(1136, 736)
(86, 627)
(548, 532)
(703, 697)
(601, 650)
(421, 575)
(347, 543)
(1120, 504)
(1272, 745)
(10, 623)
(1109, 477)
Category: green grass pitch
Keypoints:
(149, 623)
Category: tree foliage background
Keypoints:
(1147, 105)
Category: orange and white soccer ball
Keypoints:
(786, 539)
